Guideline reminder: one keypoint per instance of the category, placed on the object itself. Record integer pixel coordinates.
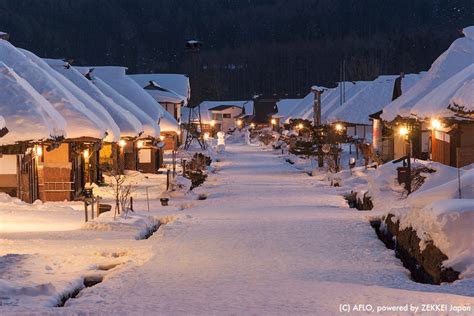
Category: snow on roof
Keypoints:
(26, 114)
(128, 124)
(177, 83)
(150, 127)
(168, 123)
(207, 105)
(367, 101)
(81, 122)
(330, 100)
(161, 93)
(464, 97)
(108, 122)
(285, 106)
(116, 78)
(458, 56)
(459, 87)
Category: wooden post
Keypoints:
(85, 211)
(184, 167)
(167, 179)
(92, 206)
(131, 203)
(98, 205)
(147, 199)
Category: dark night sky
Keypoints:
(248, 45)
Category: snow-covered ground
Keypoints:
(269, 239)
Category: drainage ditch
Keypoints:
(88, 281)
(425, 265)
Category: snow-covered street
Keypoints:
(268, 240)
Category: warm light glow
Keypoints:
(122, 143)
(140, 143)
(252, 125)
(436, 124)
(178, 132)
(39, 151)
(300, 125)
(239, 122)
(85, 153)
(273, 121)
(213, 123)
(403, 131)
(162, 138)
(206, 136)
(339, 127)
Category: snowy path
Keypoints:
(268, 240)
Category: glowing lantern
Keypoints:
(85, 153)
(213, 123)
(122, 143)
(140, 143)
(273, 121)
(403, 131)
(436, 124)
(239, 123)
(339, 127)
(39, 151)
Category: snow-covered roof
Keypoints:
(113, 131)
(117, 79)
(150, 127)
(178, 83)
(457, 57)
(369, 100)
(206, 116)
(129, 125)
(456, 91)
(168, 123)
(161, 93)
(81, 122)
(26, 114)
(285, 106)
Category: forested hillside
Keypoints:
(248, 45)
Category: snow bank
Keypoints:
(116, 78)
(449, 225)
(18, 216)
(81, 122)
(443, 185)
(457, 57)
(128, 124)
(30, 116)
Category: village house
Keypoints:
(150, 153)
(399, 119)
(172, 91)
(28, 122)
(284, 108)
(63, 166)
(162, 87)
(111, 156)
(449, 109)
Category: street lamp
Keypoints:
(404, 131)
(339, 127)
(436, 124)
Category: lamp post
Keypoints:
(405, 132)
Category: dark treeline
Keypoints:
(249, 46)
